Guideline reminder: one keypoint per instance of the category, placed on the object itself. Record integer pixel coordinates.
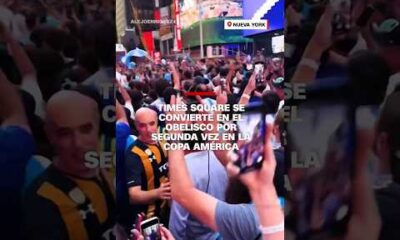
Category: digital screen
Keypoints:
(190, 10)
(271, 10)
(278, 44)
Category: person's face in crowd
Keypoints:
(277, 63)
(72, 126)
(146, 124)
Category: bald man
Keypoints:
(71, 199)
(147, 170)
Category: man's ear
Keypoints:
(382, 143)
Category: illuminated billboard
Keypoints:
(271, 10)
(190, 10)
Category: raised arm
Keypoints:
(175, 76)
(365, 221)
(24, 64)
(12, 111)
(251, 85)
(127, 99)
(120, 113)
(27, 71)
(263, 192)
(321, 40)
(198, 203)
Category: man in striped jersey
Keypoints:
(147, 170)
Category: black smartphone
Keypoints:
(321, 149)
(151, 229)
(341, 22)
(251, 139)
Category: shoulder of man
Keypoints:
(42, 219)
(137, 148)
(237, 221)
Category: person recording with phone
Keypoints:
(263, 219)
(209, 176)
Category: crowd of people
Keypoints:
(359, 63)
(196, 194)
(56, 83)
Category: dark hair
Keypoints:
(55, 38)
(7, 65)
(168, 92)
(72, 27)
(198, 73)
(87, 59)
(187, 75)
(152, 94)
(237, 192)
(105, 39)
(369, 74)
(30, 19)
(137, 98)
(159, 86)
(224, 72)
(271, 101)
(71, 47)
(187, 85)
(49, 64)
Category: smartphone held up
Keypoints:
(151, 229)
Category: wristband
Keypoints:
(272, 229)
(309, 63)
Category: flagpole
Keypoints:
(201, 29)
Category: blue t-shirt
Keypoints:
(213, 180)
(237, 221)
(16, 148)
(122, 133)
